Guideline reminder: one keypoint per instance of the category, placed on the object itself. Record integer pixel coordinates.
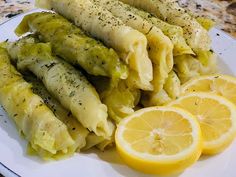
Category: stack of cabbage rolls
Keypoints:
(91, 63)
(83, 138)
(175, 40)
(69, 99)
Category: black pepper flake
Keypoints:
(15, 115)
(149, 30)
(50, 65)
(73, 128)
(198, 6)
(69, 114)
(217, 34)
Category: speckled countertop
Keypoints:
(11, 8)
(222, 11)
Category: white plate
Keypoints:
(14, 161)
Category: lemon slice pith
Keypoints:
(159, 140)
(219, 84)
(217, 118)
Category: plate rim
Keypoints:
(8, 171)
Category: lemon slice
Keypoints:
(159, 140)
(223, 85)
(217, 118)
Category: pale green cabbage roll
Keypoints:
(175, 33)
(99, 142)
(170, 91)
(188, 66)
(206, 22)
(172, 85)
(64, 82)
(47, 135)
(106, 144)
(119, 100)
(130, 44)
(155, 98)
(92, 140)
(169, 10)
(76, 130)
(70, 43)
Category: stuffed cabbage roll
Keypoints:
(172, 85)
(160, 77)
(188, 66)
(205, 22)
(64, 82)
(91, 141)
(70, 43)
(119, 100)
(130, 44)
(175, 33)
(170, 91)
(155, 98)
(106, 144)
(76, 130)
(46, 134)
(208, 61)
(99, 142)
(169, 10)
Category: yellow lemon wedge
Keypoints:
(217, 118)
(159, 140)
(223, 85)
